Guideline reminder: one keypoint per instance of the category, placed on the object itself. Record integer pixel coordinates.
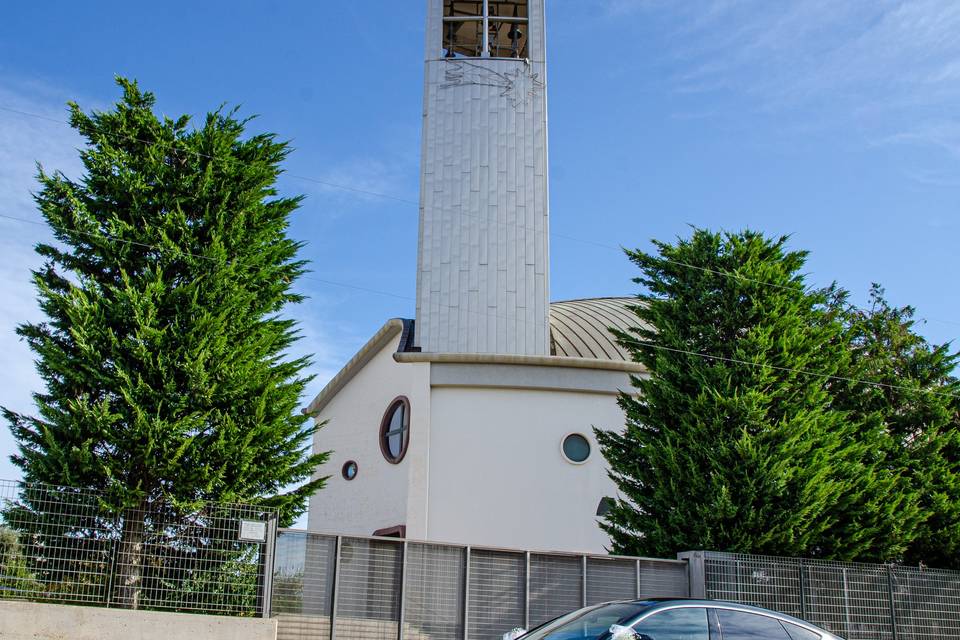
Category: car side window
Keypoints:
(799, 633)
(687, 623)
(740, 625)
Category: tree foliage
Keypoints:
(164, 351)
(729, 445)
(915, 402)
(16, 579)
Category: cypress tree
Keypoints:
(164, 352)
(916, 404)
(728, 444)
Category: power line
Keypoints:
(202, 257)
(502, 317)
(827, 376)
(726, 274)
(207, 156)
(354, 189)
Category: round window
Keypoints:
(349, 470)
(576, 448)
(395, 430)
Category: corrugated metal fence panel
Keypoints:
(556, 586)
(303, 585)
(288, 573)
(927, 603)
(368, 589)
(497, 593)
(663, 579)
(303, 574)
(610, 579)
(433, 594)
(852, 600)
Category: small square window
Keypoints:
(491, 29)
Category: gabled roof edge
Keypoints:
(385, 334)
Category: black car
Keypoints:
(675, 620)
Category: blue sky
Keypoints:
(835, 122)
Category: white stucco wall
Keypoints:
(498, 477)
(379, 496)
(484, 464)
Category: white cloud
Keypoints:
(18, 377)
(327, 354)
(886, 69)
(31, 131)
(944, 134)
(24, 140)
(355, 182)
(364, 180)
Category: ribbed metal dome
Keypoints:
(581, 328)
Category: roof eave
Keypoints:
(380, 339)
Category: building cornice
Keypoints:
(521, 360)
(396, 326)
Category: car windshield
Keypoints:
(592, 623)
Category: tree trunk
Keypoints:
(130, 561)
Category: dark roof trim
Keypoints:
(407, 337)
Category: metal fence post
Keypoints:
(336, 588)
(270, 548)
(893, 602)
(803, 590)
(739, 582)
(526, 594)
(637, 591)
(846, 601)
(114, 546)
(466, 596)
(583, 581)
(403, 589)
(696, 573)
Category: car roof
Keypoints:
(657, 604)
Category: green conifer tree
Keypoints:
(728, 446)
(916, 402)
(164, 351)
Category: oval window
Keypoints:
(576, 448)
(349, 470)
(395, 430)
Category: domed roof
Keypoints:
(581, 328)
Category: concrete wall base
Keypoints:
(294, 627)
(33, 621)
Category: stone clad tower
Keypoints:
(483, 261)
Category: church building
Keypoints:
(473, 422)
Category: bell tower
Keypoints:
(483, 259)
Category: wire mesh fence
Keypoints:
(855, 601)
(61, 544)
(350, 588)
